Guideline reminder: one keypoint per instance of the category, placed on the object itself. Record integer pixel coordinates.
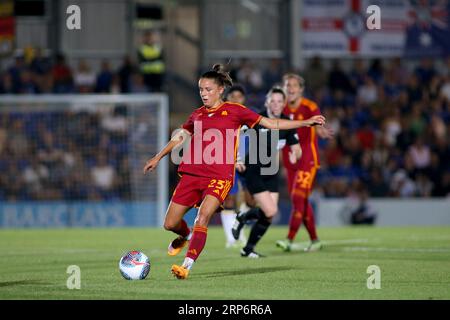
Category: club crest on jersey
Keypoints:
(224, 113)
(300, 117)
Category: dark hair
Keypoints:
(277, 89)
(236, 87)
(219, 75)
(274, 89)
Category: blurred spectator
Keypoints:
(358, 73)
(35, 176)
(413, 89)
(443, 188)
(445, 89)
(84, 78)
(40, 64)
(391, 126)
(104, 78)
(151, 61)
(425, 71)
(250, 76)
(103, 174)
(402, 185)
(125, 71)
(420, 154)
(397, 72)
(424, 185)
(357, 210)
(15, 72)
(366, 136)
(376, 71)
(6, 84)
(377, 187)
(17, 140)
(115, 122)
(338, 79)
(41, 67)
(48, 152)
(367, 92)
(315, 74)
(62, 75)
(138, 84)
(272, 74)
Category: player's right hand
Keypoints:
(151, 165)
(292, 157)
(316, 120)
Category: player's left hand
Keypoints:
(325, 133)
(240, 167)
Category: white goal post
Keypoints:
(83, 153)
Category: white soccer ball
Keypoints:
(134, 265)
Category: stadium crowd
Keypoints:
(391, 124)
(70, 155)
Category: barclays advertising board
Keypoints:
(77, 214)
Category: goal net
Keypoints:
(77, 160)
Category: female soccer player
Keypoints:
(207, 168)
(301, 175)
(264, 188)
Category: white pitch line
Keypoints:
(413, 250)
(303, 245)
(346, 241)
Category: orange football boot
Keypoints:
(176, 246)
(180, 272)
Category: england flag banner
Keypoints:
(337, 28)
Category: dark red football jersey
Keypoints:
(306, 135)
(214, 139)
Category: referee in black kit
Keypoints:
(261, 172)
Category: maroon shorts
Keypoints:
(191, 190)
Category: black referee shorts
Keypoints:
(257, 183)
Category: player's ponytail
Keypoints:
(219, 75)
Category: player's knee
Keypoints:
(270, 212)
(202, 219)
(229, 203)
(170, 225)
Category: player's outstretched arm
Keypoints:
(176, 140)
(284, 124)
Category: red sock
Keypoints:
(310, 224)
(294, 223)
(299, 208)
(197, 242)
(183, 230)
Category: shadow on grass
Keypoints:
(20, 283)
(245, 271)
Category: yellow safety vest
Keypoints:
(151, 59)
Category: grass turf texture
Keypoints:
(414, 263)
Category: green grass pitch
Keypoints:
(414, 264)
